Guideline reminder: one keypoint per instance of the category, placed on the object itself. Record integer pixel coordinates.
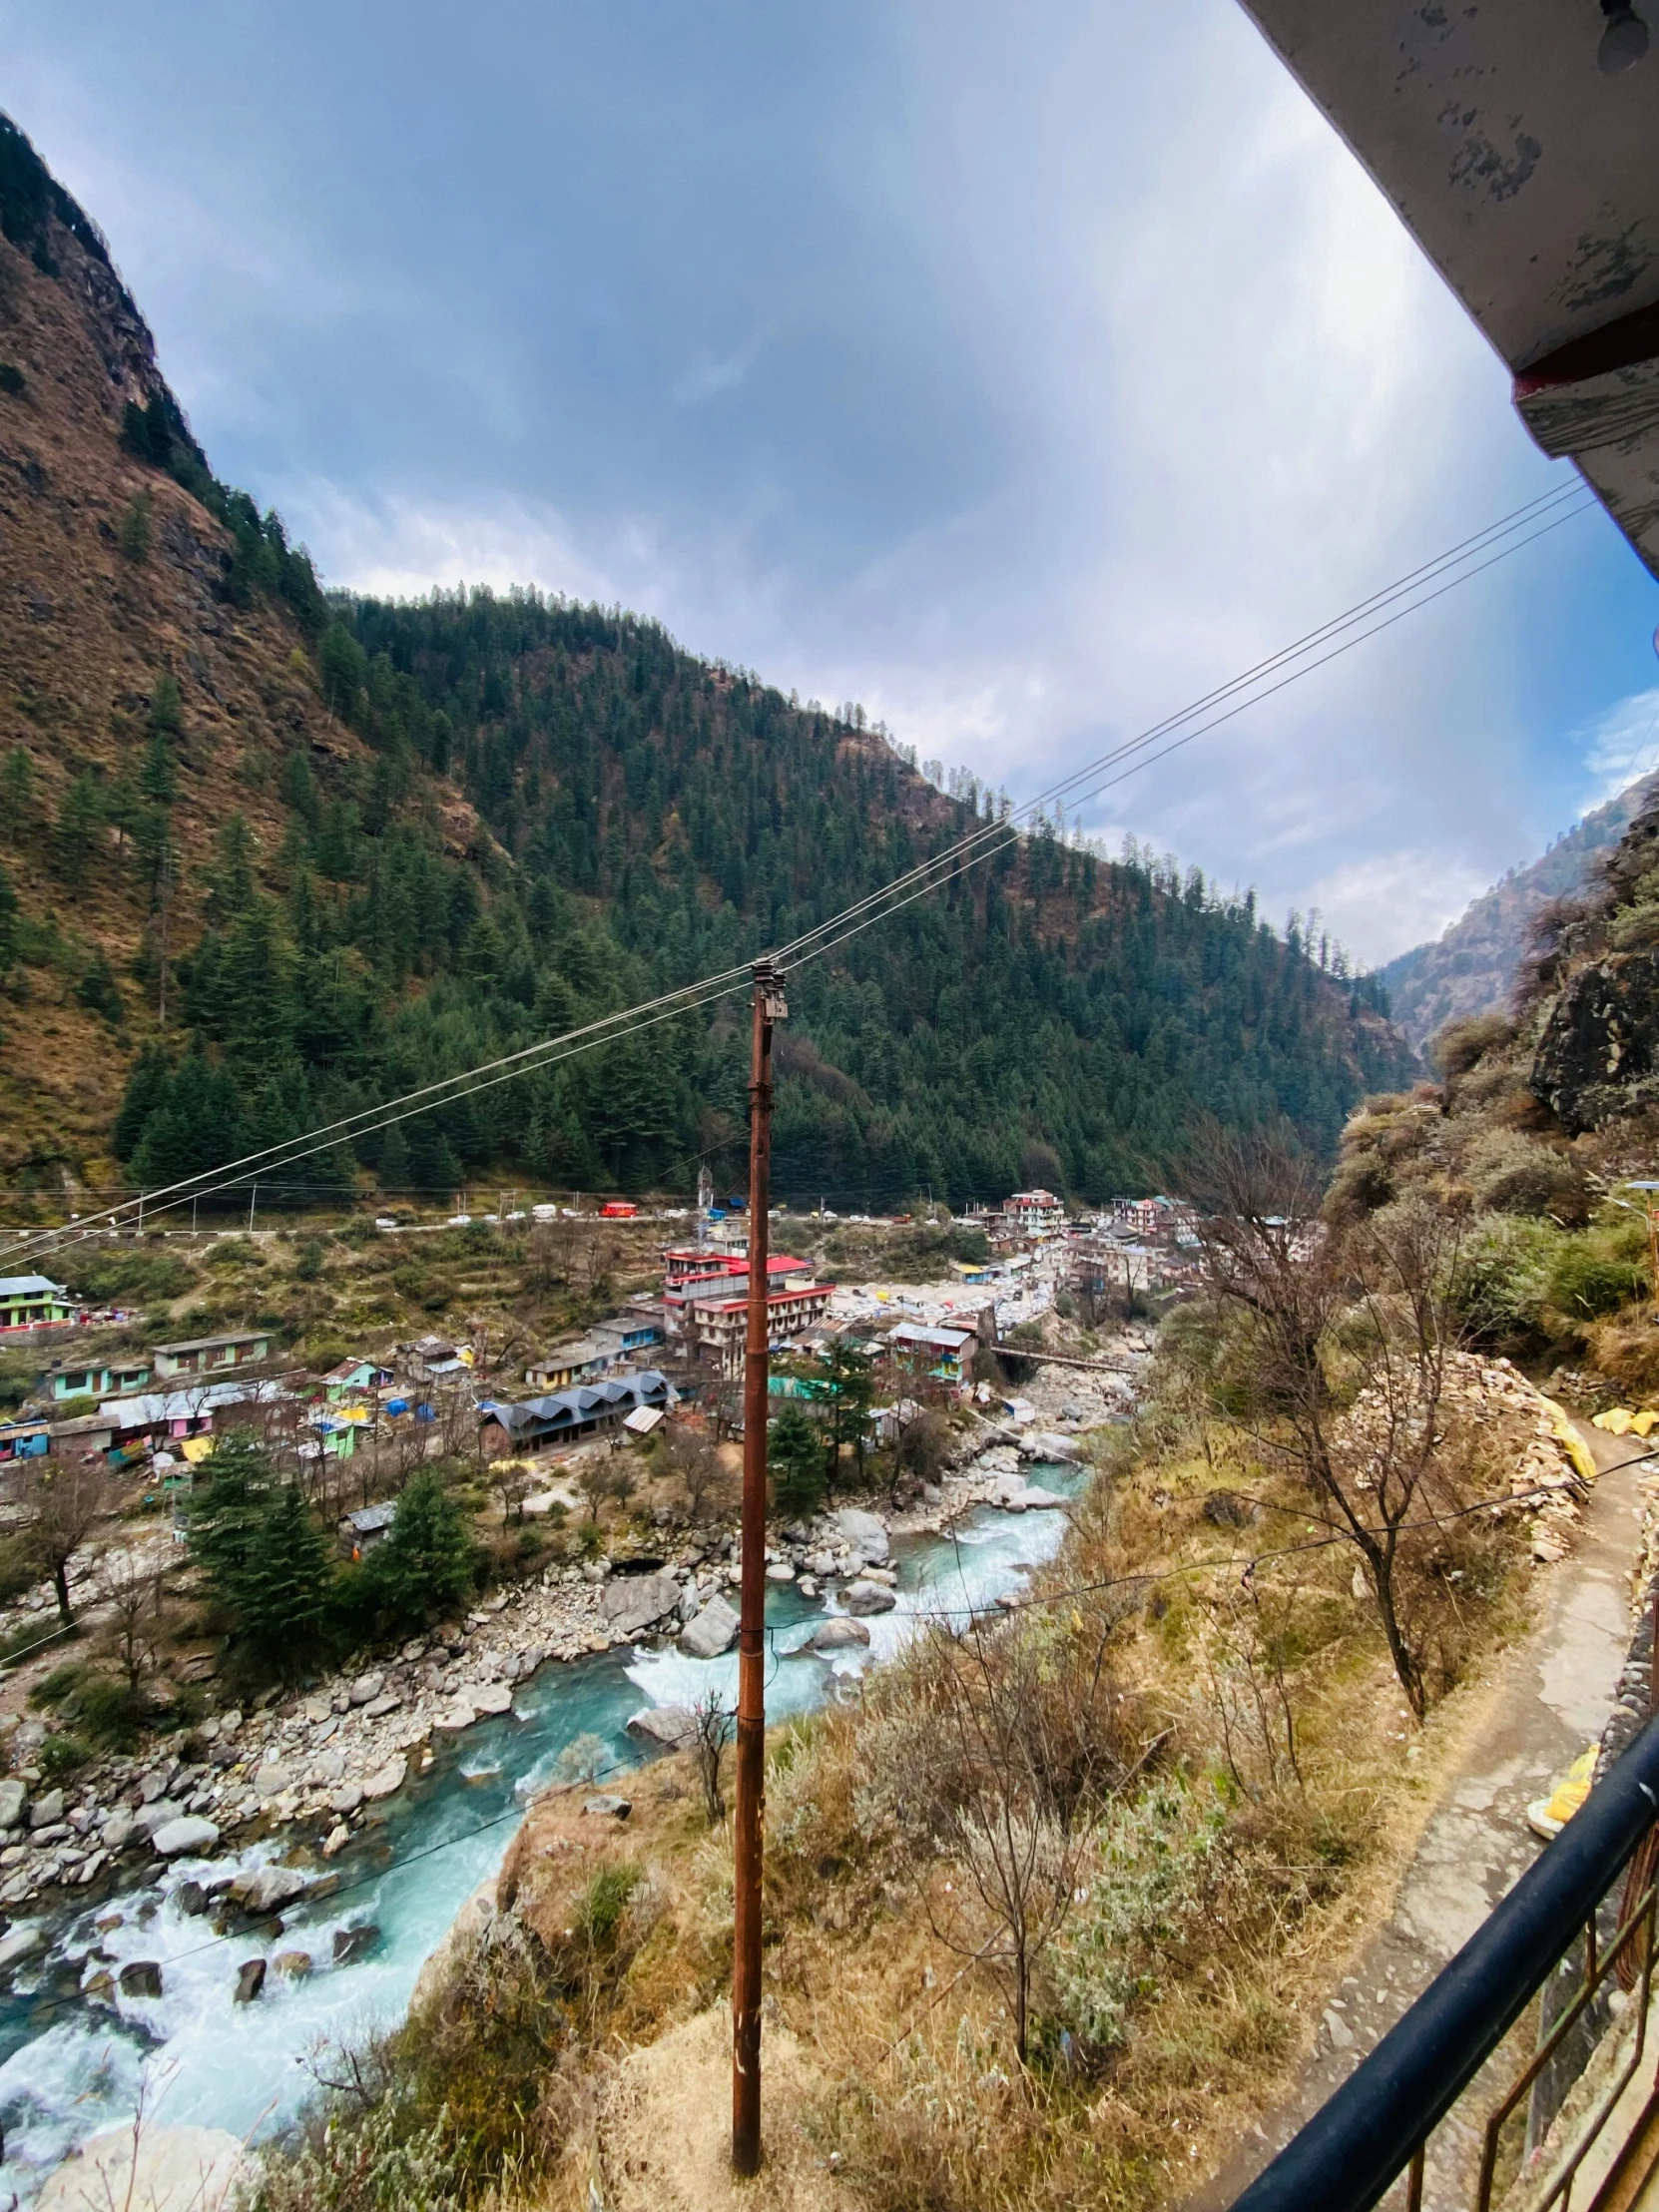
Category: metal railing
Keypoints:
(1378, 2126)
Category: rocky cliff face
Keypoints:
(1471, 968)
(112, 575)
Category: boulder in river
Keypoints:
(492, 1697)
(267, 1888)
(712, 1631)
(634, 1603)
(867, 1598)
(346, 1797)
(1033, 1498)
(1044, 1443)
(190, 1898)
(292, 1965)
(250, 1980)
(190, 1833)
(387, 1780)
(668, 1725)
(169, 2169)
(355, 1942)
(141, 1978)
(863, 1533)
(19, 1944)
(839, 1633)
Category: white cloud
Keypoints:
(1618, 745)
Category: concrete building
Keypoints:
(207, 1355)
(33, 1302)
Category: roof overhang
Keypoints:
(1531, 181)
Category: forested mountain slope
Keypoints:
(1470, 968)
(355, 847)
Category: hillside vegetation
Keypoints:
(274, 857)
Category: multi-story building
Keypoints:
(1036, 1213)
(716, 1322)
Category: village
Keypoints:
(599, 1466)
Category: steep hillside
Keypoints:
(274, 858)
(1472, 967)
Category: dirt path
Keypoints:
(1548, 1701)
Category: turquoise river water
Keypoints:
(69, 2067)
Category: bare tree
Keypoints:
(710, 1732)
(1374, 1308)
(133, 1598)
(62, 1499)
(691, 1456)
(511, 1483)
(1020, 1763)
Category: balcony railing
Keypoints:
(1587, 1900)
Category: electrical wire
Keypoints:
(1533, 520)
(1004, 834)
(1033, 1602)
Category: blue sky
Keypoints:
(1019, 370)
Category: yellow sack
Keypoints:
(1571, 1443)
(1574, 1786)
(1619, 1421)
(1643, 1423)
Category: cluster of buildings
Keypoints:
(158, 1407)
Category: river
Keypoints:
(71, 2066)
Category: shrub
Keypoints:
(61, 1756)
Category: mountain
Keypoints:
(1472, 967)
(274, 857)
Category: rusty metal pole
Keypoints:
(746, 1824)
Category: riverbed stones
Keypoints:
(337, 1837)
(378, 1707)
(292, 1965)
(191, 1833)
(271, 1778)
(13, 1798)
(47, 1810)
(451, 1719)
(781, 1571)
(366, 1688)
(250, 1980)
(867, 1598)
(346, 1797)
(141, 1978)
(635, 1602)
(327, 1768)
(712, 1631)
(386, 1781)
(862, 1533)
(492, 1697)
(839, 1633)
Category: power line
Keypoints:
(1534, 520)
(1031, 1602)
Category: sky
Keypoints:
(1019, 372)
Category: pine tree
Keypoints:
(282, 1589)
(795, 1454)
(225, 1513)
(426, 1561)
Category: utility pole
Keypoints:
(251, 1197)
(751, 1720)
